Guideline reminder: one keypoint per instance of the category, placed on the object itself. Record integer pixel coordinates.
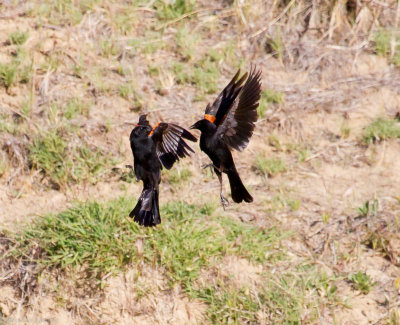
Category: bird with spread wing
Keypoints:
(229, 124)
(153, 149)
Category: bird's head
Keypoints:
(142, 129)
(202, 125)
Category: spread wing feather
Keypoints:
(226, 98)
(170, 143)
(237, 126)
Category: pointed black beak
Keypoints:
(193, 127)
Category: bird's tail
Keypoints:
(146, 212)
(239, 192)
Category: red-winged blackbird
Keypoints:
(153, 148)
(229, 123)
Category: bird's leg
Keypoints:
(224, 201)
(131, 170)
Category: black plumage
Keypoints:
(153, 149)
(229, 123)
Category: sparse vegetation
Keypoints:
(380, 129)
(383, 45)
(362, 282)
(75, 75)
(368, 208)
(18, 37)
(64, 162)
(176, 176)
(104, 239)
(269, 167)
(268, 96)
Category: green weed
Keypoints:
(269, 167)
(176, 176)
(8, 75)
(187, 42)
(383, 39)
(380, 129)
(268, 97)
(64, 162)
(361, 281)
(368, 208)
(18, 37)
(167, 10)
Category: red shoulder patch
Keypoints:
(210, 118)
(155, 127)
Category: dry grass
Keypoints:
(74, 76)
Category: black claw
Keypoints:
(224, 202)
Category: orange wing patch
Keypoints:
(155, 127)
(210, 118)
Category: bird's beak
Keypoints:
(193, 127)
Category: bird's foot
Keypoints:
(131, 171)
(207, 166)
(211, 166)
(224, 201)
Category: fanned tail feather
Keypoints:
(146, 212)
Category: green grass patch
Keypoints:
(18, 37)
(190, 240)
(187, 43)
(8, 75)
(362, 282)
(167, 10)
(177, 176)
(383, 38)
(18, 70)
(103, 238)
(268, 97)
(203, 74)
(269, 167)
(63, 160)
(380, 129)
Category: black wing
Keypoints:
(170, 143)
(225, 99)
(237, 126)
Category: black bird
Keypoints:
(229, 123)
(152, 149)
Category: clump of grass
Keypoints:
(3, 166)
(382, 42)
(380, 129)
(368, 208)
(64, 163)
(186, 42)
(176, 176)
(232, 306)
(345, 131)
(189, 241)
(8, 75)
(75, 107)
(103, 237)
(15, 71)
(268, 97)
(109, 48)
(149, 44)
(269, 167)
(383, 39)
(203, 75)
(167, 10)
(125, 91)
(18, 37)
(274, 45)
(362, 282)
